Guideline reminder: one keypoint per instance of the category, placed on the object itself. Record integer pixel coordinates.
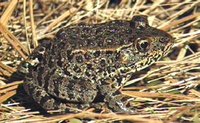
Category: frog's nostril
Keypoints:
(164, 39)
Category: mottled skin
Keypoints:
(86, 65)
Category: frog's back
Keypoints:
(96, 36)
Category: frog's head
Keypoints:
(148, 44)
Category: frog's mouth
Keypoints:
(145, 62)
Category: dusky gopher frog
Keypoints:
(86, 65)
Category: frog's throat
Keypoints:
(137, 66)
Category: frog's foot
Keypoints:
(120, 103)
(100, 107)
(49, 102)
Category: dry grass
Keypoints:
(168, 92)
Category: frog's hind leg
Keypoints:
(42, 97)
(48, 102)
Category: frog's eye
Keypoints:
(143, 45)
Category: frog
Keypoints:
(86, 65)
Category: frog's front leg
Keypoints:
(116, 101)
(120, 103)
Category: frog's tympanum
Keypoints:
(86, 65)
